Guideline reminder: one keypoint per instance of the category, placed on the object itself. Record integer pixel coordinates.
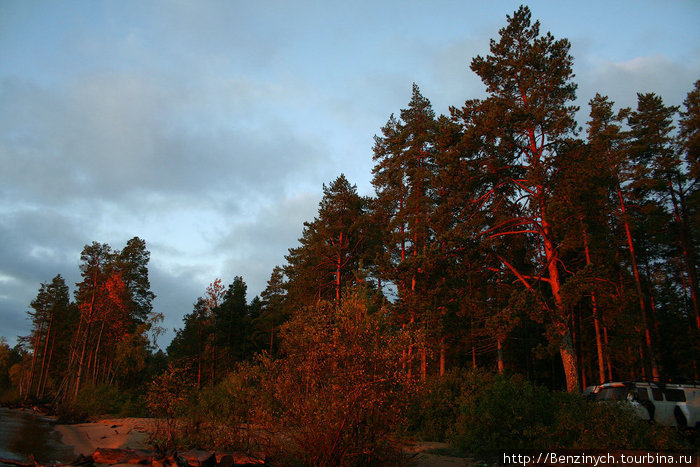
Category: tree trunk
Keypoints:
(638, 284)
(88, 328)
(272, 337)
(81, 363)
(568, 358)
(599, 343)
(687, 247)
(95, 370)
(607, 355)
(566, 347)
(499, 355)
(48, 365)
(44, 369)
(471, 332)
(578, 347)
(35, 351)
(596, 321)
(338, 268)
(442, 356)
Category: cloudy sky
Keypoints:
(207, 128)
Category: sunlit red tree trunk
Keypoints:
(594, 305)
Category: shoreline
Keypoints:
(113, 433)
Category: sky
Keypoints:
(208, 128)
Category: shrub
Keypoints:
(509, 413)
(218, 417)
(134, 405)
(584, 425)
(97, 400)
(436, 404)
(10, 397)
(167, 399)
(339, 392)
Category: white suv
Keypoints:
(670, 404)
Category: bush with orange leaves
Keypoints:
(339, 392)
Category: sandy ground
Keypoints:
(130, 433)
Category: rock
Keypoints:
(224, 459)
(169, 461)
(228, 459)
(122, 456)
(198, 458)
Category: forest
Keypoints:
(508, 251)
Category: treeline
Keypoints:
(101, 337)
(504, 236)
(509, 235)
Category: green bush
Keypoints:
(94, 401)
(483, 413)
(10, 397)
(436, 405)
(133, 405)
(508, 413)
(585, 425)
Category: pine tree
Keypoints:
(272, 314)
(51, 314)
(528, 78)
(90, 297)
(232, 320)
(132, 262)
(190, 342)
(331, 250)
(114, 309)
(404, 174)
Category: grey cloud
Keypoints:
(621, 81)
(116, 134)
(252, 248)
(36, 245)
(175, 295)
